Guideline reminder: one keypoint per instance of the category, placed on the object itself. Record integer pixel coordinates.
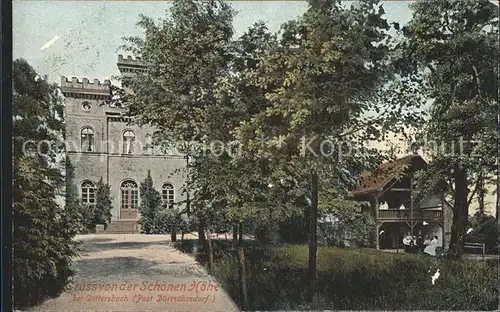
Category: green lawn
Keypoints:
(354, 279)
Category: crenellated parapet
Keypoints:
(85, 89)
(130, 65)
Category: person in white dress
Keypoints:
(431, 248)
(427, 241)
(407, 241)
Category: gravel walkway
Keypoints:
(134, 272)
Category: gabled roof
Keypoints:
(375, 181)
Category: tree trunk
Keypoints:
(313, 219)
(242, 271)
(497, 213)
(235, 235)
(173, 234)
(188, 201)
(210, 252)
(480, 195)
(497, 210)
(202, 240)
(460, 212)
(201, 232)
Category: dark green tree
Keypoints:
(103, 207)
(43, 245)
(150, 205)
(73, 205)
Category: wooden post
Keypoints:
(210, 250)
(443, 243)
(377, 229)
(242, 270)
(411, 205)
(235, 236)
(313, 219)
(377, 225)
(173, 234)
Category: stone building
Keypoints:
(103, 142)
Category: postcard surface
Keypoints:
(194, 155)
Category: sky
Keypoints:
(82, 38)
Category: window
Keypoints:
(167, 195)
(128, 142)
(87, 139)
(86, 106)
(88, 193)
(130, 195)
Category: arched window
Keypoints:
(130, 195)
(88, 193)
(167, 195)
(128, 142)
(87, 139)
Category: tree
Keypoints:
(451, 48)
(103, 205)
(43, 244)
(185, 93)
(73, 206)
(347, 221)
(318, 81)
(150, 205)
(184, 55)
(202, 86)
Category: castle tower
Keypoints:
(129, 66)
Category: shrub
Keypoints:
(486, 232)
(98, 213)
(165, 220)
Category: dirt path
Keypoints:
(133, 272)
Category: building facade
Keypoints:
(102, 142)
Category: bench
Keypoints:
(476, 246)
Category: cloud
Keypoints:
(50, 43)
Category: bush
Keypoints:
(87, 213)
(485, 232)
(98, 213)
(294, 229)
(165, 220)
